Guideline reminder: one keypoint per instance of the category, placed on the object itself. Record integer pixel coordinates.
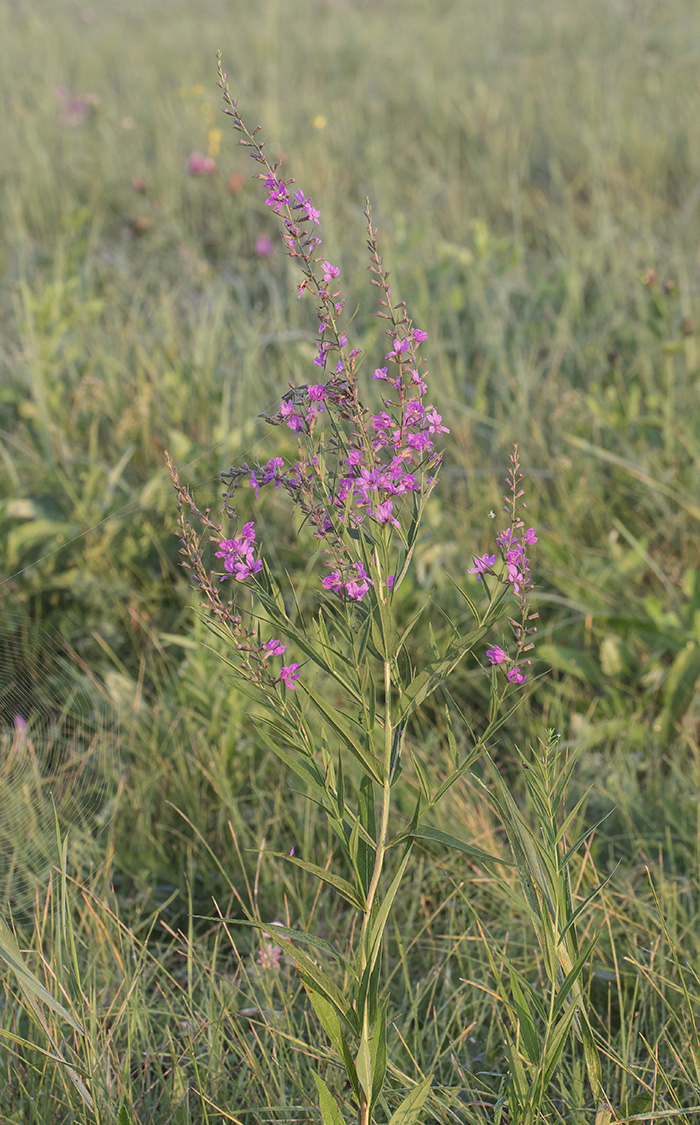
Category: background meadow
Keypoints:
(534, 172)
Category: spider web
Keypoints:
(59, 759)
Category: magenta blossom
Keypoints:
(264, 246)
(275, 648)
(199, 165)
(482, 565)
(496, 655)
(289, 675)
(239, 554)
(516, 676)
(269, 956)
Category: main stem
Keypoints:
(364, 1116)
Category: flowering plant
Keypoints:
(337, 712)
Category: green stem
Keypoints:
(382, 836)
(383, 832)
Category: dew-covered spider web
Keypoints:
(59, 760)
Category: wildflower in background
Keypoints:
(199, 165)
(264, 246)
(289, 675)
(269, 956)
(75, 111)
(319, 121)
(214, 141)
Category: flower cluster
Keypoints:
(239, 554)
(516, 573)
(240, 562)
(378, 458)
(199, 165)
(371, 461)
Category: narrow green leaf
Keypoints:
(556, 1041)
(316, 979)
(292, 935)
(437, 836)
(325, 639)
(366, 813)
(527, 1026)
(123, 1117)
(377, 1046)
(679, 689)
(386, 617)
(451, 741)
(422, 778)
(327, 1017)
(330, 1114)
(363, 1066)
(379, 922)
(572, 977)
(371, 700)
(341, 786)
(342, 886)
(410, 1108)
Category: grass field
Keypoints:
(534, 173)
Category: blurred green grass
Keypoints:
(535, 177)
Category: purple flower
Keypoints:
(275, 648)
(434, 421)
(400, 346)
(516, 676)
(269, 956)
(264, 246)
(74, 111)
(419, 336)
(289, 675)
(482, 565)
(529, 536)
(333, 582)
(199, 165)
(293, 420)
(496, 655)
(245, 567)
(382, 513)
(239, 554)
